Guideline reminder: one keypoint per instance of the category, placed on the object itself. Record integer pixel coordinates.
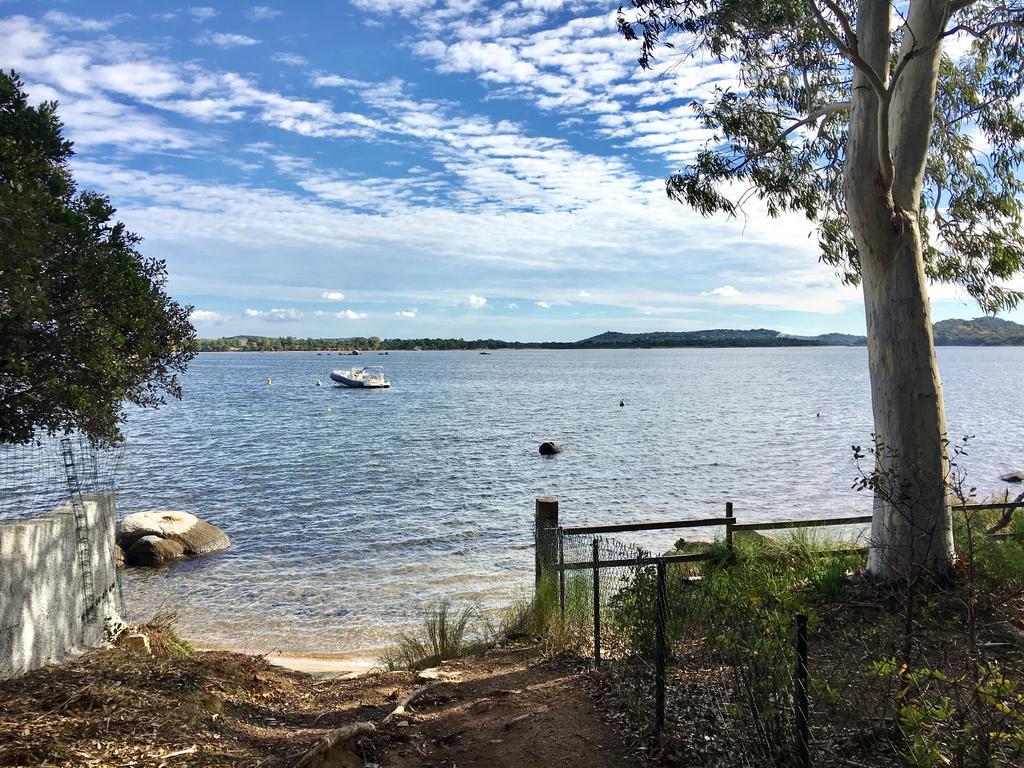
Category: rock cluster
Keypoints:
(163, 537)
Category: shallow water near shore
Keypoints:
(353, 511)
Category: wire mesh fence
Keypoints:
(34, 476)
(795, 658)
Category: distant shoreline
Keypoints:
(980, 332)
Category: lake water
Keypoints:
(352, 511)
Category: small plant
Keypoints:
(163, 635)
(447, 634)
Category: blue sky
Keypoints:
(414, 168)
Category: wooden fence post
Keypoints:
(545, 535)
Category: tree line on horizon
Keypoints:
(982, 331)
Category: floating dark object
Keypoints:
(622, 403)
(549, 449)
(1013, 477)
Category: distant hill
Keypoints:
(981, 331)
(717, 337)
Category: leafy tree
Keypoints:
(85, 324)
(906, 157)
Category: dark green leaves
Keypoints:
(85, 324)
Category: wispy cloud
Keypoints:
(202, 13)
(725, 292)
(407, 313)
(226, 40)
(289, 59)
(474, 302)
(276, 315)
(584, 294)
(332, 295)
(63, 20)
(345, 314)
(262, 13)
(543, 304)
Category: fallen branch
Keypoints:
(188, 751)
(400, 709)
(332, 739)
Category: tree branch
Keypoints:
(848, 49)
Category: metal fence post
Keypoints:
(800, 682)
(730, 521)
(561, 573)
(660, 652)
(597, 605)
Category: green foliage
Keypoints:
(781, 135)
(999, 560)
(974, 720)
(447, 634)
(85, 323)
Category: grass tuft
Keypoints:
(446, 634)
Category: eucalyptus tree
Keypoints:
(898, 130)
(85, 322)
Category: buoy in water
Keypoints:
(270, 381)
(318, 383)
(622, 403)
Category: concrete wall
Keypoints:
(42, 602)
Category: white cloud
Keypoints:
(345, 314)
(290, 59)
(202, 13)
(725, 292)
(410, 313)
(226, 40)
(262, 13)
(513, 305)
(332, 295)
(206, 317)
(543, 304)
(474, 302)
(274, 315)
(63, 20)
(584, 294)
(337, 81)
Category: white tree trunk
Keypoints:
(911, 533)
(911, 530)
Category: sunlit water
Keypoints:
(352, 511)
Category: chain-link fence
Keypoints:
(782, 652)
(34, 477)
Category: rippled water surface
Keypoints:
(351, 511)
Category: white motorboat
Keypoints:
(370, 377)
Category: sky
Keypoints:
(415, 168)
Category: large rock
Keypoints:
(549, 449)
(197, 537)
(153, 551)
(1013, 477)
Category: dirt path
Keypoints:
(506, 710)
(115, 707)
